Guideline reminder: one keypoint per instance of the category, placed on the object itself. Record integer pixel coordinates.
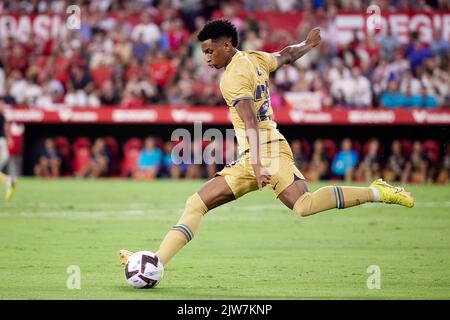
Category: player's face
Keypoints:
(216, 53)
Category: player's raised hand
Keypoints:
(313, 37)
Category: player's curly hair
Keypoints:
(216, 29)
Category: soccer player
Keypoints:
(265, 156)
(8, 181)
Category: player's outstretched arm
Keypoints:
(294, 52)
(246, 112)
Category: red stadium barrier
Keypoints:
(82, 153)
(131, 151)
(220, 116)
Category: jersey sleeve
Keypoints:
(270, 61)
(241, 84)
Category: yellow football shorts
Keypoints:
(276, 157)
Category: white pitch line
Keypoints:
(164, 214)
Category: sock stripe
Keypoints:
(336, 197)
(342, 197)
(185, 230)
(339, 195)
(191, 233)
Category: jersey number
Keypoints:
(260, 90)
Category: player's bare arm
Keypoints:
(246, 112)
(294, 52)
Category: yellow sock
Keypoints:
(332, 197)
(184, 230)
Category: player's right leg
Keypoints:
(211, 195)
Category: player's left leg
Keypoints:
(304, 203)
(291, 188)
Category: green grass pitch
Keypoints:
(252, 248)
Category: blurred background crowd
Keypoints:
(138, 54)
(155, 59)
(402, 160)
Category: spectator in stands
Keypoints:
(417, 165)
(318, 166)
(345, 161)
(17, 85)
(100, 163)
(131, 99)
(392, 98)
(80, 79)
(411, 100)
(417, 52)
(149, 161)
(357, 91)
(439, 45)
(427, 99)
(171, 167)
(140, 49)
(395, 164)
(194, 167)
(109, 96)
(389, 44)
(398, 67)
(370, 167)
(161, 70)
(300, 158)
(444, 170)
(49, 165)
(409, 84)
(147, 32)
(124, 48)
(32, 90)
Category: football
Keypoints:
(144, 270)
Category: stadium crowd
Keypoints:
(319, 159)
(113, 62)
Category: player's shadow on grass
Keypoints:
(178, 293)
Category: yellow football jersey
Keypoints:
(247, 77)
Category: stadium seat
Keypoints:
(330, 148)
(82, 153)
(113, 149)
(407, 147)
(131, 150)
(356, 145)
(62, 144)
(306, 147)
(159, 143)
(365, 149)
(431, 149)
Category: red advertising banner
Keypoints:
(220, 116)
(401, 24)
(52, 26)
